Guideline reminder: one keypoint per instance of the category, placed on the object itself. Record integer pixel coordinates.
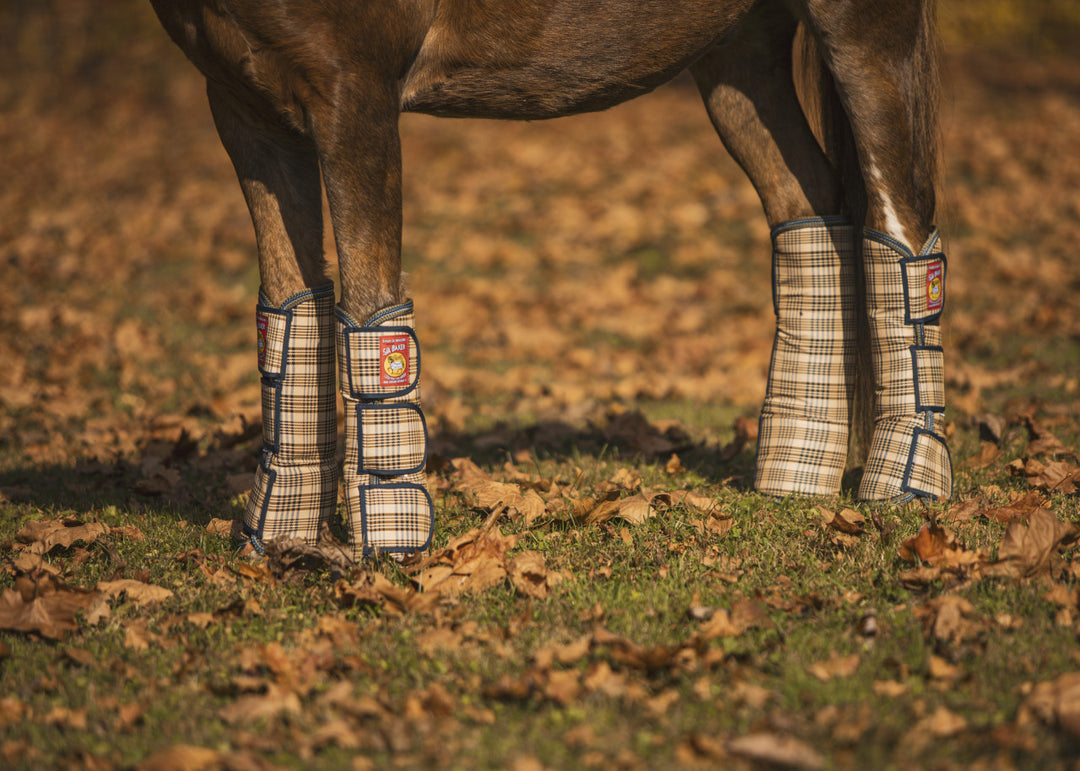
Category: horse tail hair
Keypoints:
(923, 105)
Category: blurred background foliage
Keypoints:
(79, 42)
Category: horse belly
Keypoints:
(560, 57)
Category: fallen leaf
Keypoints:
(471, 562)
(226, 528)
(846, 521)
(1019, 509)
(950, 618)
(836, 666)
(1057, 702)
(136, 591)
(992, 428)
(674, 466)
(776, 749)
(1031, 548)
(938, 547)
(1055, 476)
(268, 706)
(530, 576)
(43, 536)
(43, 604)
(182, 757)
(1042, 441)
(746, 431)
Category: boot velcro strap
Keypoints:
(380, 362)
(924, 288)
(929, 467)
(392, 438)
(398, 518)
(928, 373)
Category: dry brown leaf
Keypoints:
(563, 686)
(940, 669)
(746, 431)
(1018, 509)
(890, 689)
(128, 532)
(181, 757)
(530, 576)
(471, 562)
(490, 495)
(1057, 703)
(272, 704)
(688, 498)
(67, 718)
(44, 605)
(1055, 476)
(962, 511)
(846, 521)
(136, 636)
(988, 453)
(1031, 548)
(937, 546)
(1042, 441)
(781, 750)
(375, 590)
(226, 528)
(717, 625)
(674, 466)
(950, 618)
(138, 592)
(43, 536)
(835, 666)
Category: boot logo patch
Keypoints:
(935, 286)
(394, 361)
(261, 322)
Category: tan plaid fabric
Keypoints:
(295, 487)
(388, 504)
(803, 434)
(905, 298)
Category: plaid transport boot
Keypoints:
(905, 295)
(295, 488)
(803, 433)
(388, 504)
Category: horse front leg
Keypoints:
(749, 92)
(295, 489)
(883, 57)
(388, 505)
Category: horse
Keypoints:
(306, 95)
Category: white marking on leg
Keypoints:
(893, 227)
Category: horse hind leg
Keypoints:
(387, 503)
(295, 488)
(747, 83)
(883, 58)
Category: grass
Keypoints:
(482, 655)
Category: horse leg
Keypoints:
(748, 87)
(387, 501)
(883, 58)
(295, 489)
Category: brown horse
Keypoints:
(307, 93)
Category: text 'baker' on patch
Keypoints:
(935, 285)
(394, 361)
(261, 322)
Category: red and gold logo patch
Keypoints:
(394, 361)
(261, 322)
(935, 286)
